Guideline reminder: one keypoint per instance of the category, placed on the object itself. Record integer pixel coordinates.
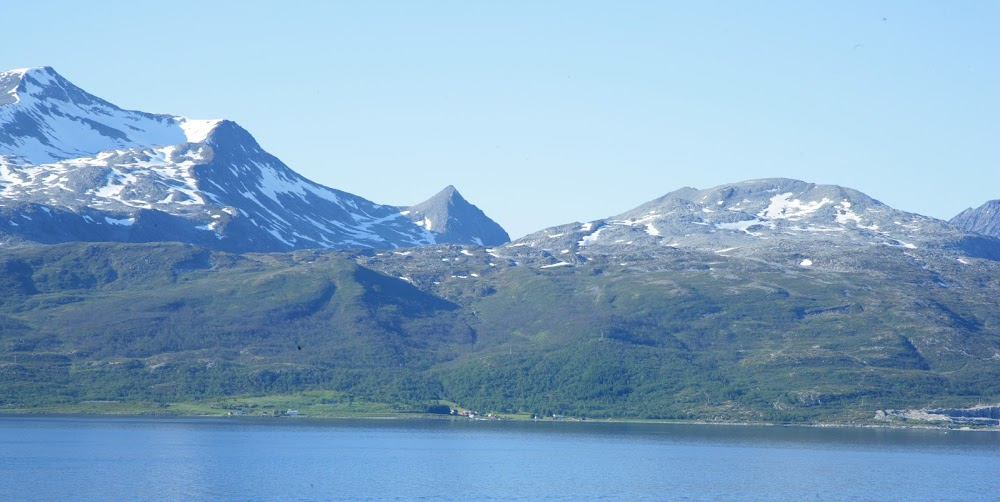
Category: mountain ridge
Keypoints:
(207, 181)
(47, 118)
(773, 219)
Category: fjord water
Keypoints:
(69, 458)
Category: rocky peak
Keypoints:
(984, 219)
(452, 219)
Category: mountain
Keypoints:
(984, 219)
(45, 118)
(784, 221)
(771, 300)
(76, 167)
(767, 300)
(453, 220)
(643, 330)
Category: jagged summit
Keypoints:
(452, 219)
(984, 219)
(438, 205)
(76, 167)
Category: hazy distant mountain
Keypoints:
(73, 166)
(777, 220)
(984, 219)
(454, 220)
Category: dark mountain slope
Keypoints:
(168, 321)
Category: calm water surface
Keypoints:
(301, 459)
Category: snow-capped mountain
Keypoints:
(453, 220)
(984, 219)
(76, 167)
(776, 220)
(45, 118)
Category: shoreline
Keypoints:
(459, 418)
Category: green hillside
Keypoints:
(168, 322)
(758, 345)
(680, 335)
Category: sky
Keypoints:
(544, 113)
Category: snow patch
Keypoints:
(125, 222)
(784, 207)
(197, 131)
(559, 264)
(652, 216)
(744, 226)
(590, 239)
(814, 228)
(845, 215)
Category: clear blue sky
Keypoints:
(544, 113)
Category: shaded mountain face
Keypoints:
(89, 170)
(984, 219)
(250, 318)
(453, 220)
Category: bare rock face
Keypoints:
(453, 220)
(984, 219)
